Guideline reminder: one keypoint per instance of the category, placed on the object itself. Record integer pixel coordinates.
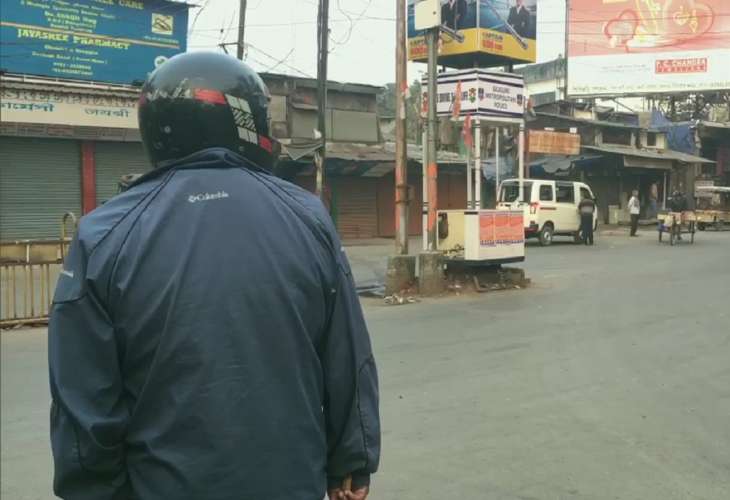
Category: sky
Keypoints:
(281, 36)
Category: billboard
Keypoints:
(496, 32)
(622, 47)
(493, 96)
(115, 41)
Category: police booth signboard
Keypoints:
(496, 33)
(115, 41)
(490, 95)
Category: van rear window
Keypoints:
(511, 192)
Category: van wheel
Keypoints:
(577, 238)
(701, 226)
(546, 235)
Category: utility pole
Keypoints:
(431, 160)
(401, 159)
(241, 29)
(322, 53)
(401, 271)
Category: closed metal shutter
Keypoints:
(356, 206)
(40, 180)
(113, 160)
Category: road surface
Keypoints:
(608, 379)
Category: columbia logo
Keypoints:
(195, 198)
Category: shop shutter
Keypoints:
(113, 160)
(356, 207)
(40, 180)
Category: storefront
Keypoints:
(63, 148)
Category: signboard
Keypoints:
(501, 228)
(495, 96)
(553, 143)
(60, 108)
(496, 32)
(116, 41)
(622, 47)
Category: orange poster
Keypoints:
(517, 228)
(486, 230)
(502, 228)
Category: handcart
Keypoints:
(676, 224)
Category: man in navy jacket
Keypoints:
(206, 341)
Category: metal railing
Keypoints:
(29, 271)
(27, 291)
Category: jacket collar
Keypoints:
(206, 158)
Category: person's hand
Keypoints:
(360, 494)
(336, 494)
(342, 494)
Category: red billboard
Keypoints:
(621, 47)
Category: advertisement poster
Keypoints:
(517, 228)
(501, 229)
(486, 230)
(115, 41)
(620, 47)
(495, 32)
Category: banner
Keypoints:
(553, 143)
(492, 95)
(501, 229)
(116, 41)
(621, 47)
(62, 108)
(496, 32)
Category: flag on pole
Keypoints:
(467, 134)
(456, 105)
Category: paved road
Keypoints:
(609, 379)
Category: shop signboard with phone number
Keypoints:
(114, 41)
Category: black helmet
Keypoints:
(201, 100)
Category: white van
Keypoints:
(550, 207)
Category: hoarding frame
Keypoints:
(681, 53)
(93, 42)
(478, 37)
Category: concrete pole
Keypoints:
(401, 160)
(521, 162)
(424, 190)
(432, 37)
(496, 165)
(469, 179)
(241, 29)
(322, 55)
(478, 166)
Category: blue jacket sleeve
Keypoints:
(88, 415)
(351, 384)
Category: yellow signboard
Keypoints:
(496, 32)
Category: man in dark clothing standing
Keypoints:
(587, 208)
(519, 18)
(206, 341)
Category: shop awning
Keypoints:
(650, 163)
(667, 155)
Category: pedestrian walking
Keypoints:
(206, 340)
(634, 211)
(587, 208)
